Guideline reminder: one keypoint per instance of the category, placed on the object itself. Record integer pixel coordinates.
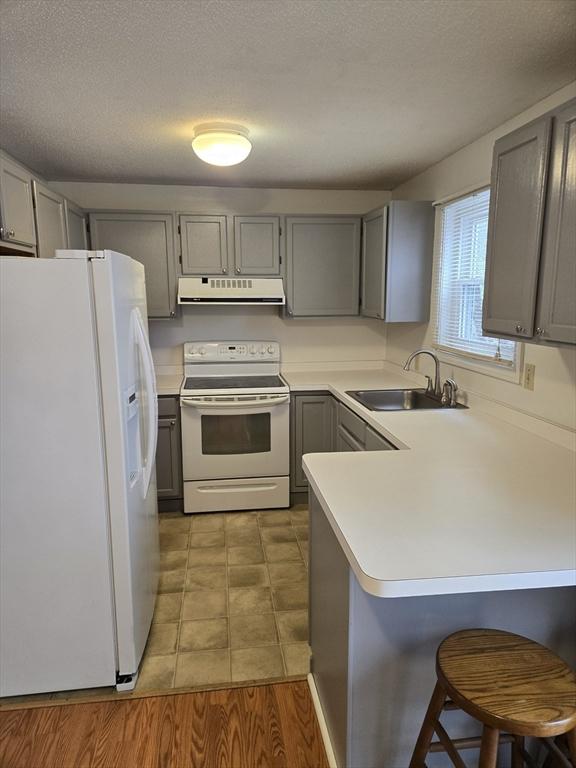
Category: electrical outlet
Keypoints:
(529, 374)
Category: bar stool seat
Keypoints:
(508, 683)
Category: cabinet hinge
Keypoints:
(280, 231)
(280, 259)
(180, 258)
(179, 230)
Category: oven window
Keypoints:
(227, 435)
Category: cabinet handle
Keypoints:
(540, 331)
(520, 329)
(238, 270)
(172, 422)
(224, 271)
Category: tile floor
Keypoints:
(233, 600)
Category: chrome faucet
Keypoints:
(430, 390)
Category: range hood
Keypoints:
(231, 290)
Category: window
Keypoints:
(460, 282)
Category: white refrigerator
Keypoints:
(78, 507)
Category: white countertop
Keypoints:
(168, 384)
(471, 503)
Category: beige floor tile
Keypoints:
(252, 630)
(278, 534)
(212, 521)
(287, 574)
(297, 658)
(290, 598)
(172, 541)
(162, 639)
(204, 604)
(280, 553)
(299, 516)
(172, 581)
(167, 608)
(274, 518)
(247, 555)
(248, 576)
(235, 520)
(202, 668)
(257, 663)
(157, 673)
(175, 524)
(293, 626)
(207, 556)
(249, 600)
(208, 539)
(301, 532)
(203, 635)
(242, 536)
(206, 577)
(170, 561)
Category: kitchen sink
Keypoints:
(398, 400)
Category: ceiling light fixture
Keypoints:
(220, 144)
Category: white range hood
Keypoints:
(256, 291)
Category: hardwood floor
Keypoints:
(268, 726)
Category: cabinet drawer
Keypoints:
(352, 423)
(375, 442)
(346, 442)
(167, 406)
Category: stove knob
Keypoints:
(270, 350)
(253, 350)
(202, 350)
(262, 350)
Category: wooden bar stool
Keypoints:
(513, 686)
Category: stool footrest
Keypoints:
(471, 742)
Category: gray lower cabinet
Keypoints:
(169, 451)
(148, 238)
(312, 431)
(16, 206)
(76, 227)
(397, 247)
(323, 265)
(50, 212)
(375, 442)
(530, 279)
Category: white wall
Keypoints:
(321, 340)
(554, 395)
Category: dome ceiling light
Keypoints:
(220, 144)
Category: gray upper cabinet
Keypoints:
(148, 238)
(323, 265)
(312, 432)
(517, 203)
(556, 316)
(76, 227)
(257, 245)
(397, 262)
(531, 260)
(50, 210)
(16, 207)
(204, 242)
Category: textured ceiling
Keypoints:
(336, 93)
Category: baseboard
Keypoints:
(322, 723)
(170, 505)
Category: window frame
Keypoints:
(505, 370)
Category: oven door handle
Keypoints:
(269, 400)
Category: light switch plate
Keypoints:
(529, 374)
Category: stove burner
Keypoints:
(233, 382)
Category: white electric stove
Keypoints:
(235, 427)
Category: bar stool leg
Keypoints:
(489, 747)
(427, 730)
(517, 748)
(571, 737)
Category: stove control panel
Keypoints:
(229, 351)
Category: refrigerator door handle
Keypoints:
(151, 398)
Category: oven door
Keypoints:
(235, 436)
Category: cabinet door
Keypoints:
(204, 245)
(148, 238)
(168, 459)
(257, 245)
(323, 265)
(50, 221)
(16, 204)
(373, 264)
(375, 442)
(312, 431)
(557, 310)
(517, 199)
(76, 227)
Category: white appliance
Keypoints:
(235, 427)
(78, 508)
(249, 291)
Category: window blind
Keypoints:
(460, 282)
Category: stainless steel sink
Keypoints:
(397, 400)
